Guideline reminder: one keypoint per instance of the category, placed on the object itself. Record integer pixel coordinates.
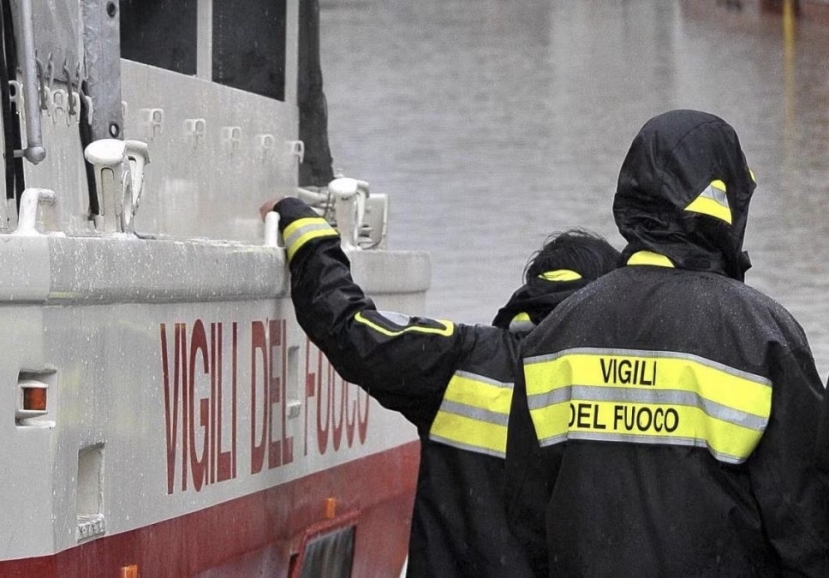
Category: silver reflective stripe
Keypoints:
(649, 396)
(716, 194)
(475, 413)
(539, 400)
(295, 235)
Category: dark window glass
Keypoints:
(160, 33)
(330, 555)
(249, 46)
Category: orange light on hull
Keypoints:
(34, 398)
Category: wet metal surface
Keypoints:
(491, 124)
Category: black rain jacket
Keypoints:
(665, 424)
(452, 381)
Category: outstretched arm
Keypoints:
(404, 362)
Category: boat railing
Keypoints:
(346, 203)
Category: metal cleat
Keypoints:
(119, 180)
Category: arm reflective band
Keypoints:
(650, 397)
(474, 414)
(382, 323)
(303, 230)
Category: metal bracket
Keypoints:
(297, 149)
(119, 181)
(349, 207)
(30, 201)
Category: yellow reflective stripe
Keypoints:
(560, 275)
(710, 207)
(469, 434)
(474, 391)
(649, 258)
(713, 381)
(474, 414)
(663, 424)
(713, 202)
(521, 323)
(303, 230)
(722, 408)
(552, 422)
(446, 329)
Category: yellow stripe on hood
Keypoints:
(560, 275)
(712, 202)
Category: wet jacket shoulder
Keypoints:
(742, 490)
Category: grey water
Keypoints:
(493, 123)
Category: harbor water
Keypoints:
(491, 124)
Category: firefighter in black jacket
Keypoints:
(452, 381)
(673, 409)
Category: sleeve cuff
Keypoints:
(300, 224)
(291, 209)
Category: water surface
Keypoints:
(491, 124)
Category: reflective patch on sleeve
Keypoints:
(474, 414)
(303, 230)
(713, 202)
(648, 397)
(394, 324)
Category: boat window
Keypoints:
(160, 33)
(331, 554)
(249, 46)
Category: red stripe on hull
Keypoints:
(257, 534)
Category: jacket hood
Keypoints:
(683, 192)
(530, 304)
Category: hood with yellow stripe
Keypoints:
(683, 192)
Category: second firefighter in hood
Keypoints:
(672, 408)
(451, 380)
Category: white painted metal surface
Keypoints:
(98, 319)
(175, 376)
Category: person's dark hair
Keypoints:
(578, 250)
